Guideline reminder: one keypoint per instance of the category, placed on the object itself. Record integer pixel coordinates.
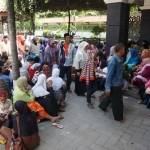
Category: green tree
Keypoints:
(25, 11)
(98, 29)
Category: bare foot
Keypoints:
(61, 117)
(55, 119)
(61, 109)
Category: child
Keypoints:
(58, 86)
(5, 104)
(5, 110)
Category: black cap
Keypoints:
(66, 34)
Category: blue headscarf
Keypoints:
(132, 58)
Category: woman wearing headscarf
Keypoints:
(88, 75)
(79, 61)
(27, 125)
(51, 53)
(142, 75)
(145, 57)
(22, 93)
(59, 88)
(111, 54)
(45, 98)
(132, 58)
(21, 44)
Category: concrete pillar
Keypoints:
(117, 21)
(145, 21)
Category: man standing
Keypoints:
(5, 46)
(114, 82)
(66, 57)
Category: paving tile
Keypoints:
(86, 129)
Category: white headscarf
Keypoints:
(57, 82)
(55, 73)
(40, 89)
(112, 53)
(80, 55)
(82, 46)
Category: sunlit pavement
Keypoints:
(86, 129)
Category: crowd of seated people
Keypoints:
(46, 73)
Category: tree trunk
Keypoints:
(69, 21)
(12, 37)
(33, 23)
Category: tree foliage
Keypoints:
(25, 11)
(98, 29)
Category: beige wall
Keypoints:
(117, 1)
(146, 4)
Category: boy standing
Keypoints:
(114, 82)
(66, 56)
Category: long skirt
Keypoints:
(80, 87)
(49, 103)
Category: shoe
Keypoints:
(90, 105)
(121, 121)
(140, 102)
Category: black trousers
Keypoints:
(66, 70)
(116, 100)
(117, 103)
(91, 88)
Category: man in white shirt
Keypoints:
(5, 46)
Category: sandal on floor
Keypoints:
(57, 125)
